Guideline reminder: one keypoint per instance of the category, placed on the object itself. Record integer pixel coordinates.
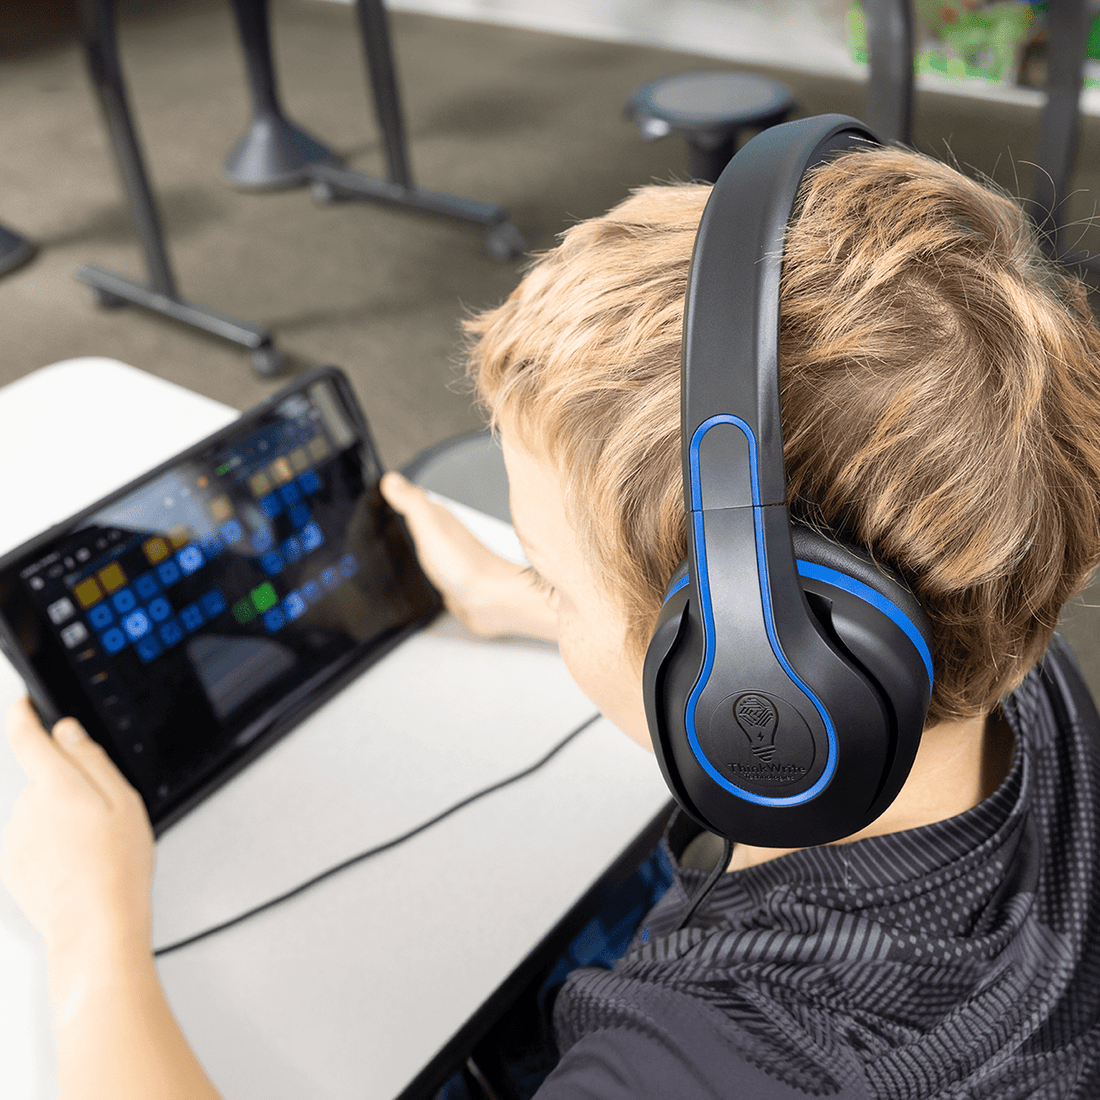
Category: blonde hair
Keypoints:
(941, 399)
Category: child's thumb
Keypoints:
(400, 493)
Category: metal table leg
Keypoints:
(889, 103)
(100, 38)
(14, 250)
(331, 183)
(274, 152)
(1058, 130)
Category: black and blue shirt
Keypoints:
(957, 960)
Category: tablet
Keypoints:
(197, 614)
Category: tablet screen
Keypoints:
(186, 619)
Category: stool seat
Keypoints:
(709, 109)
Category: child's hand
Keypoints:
(487, 593)
(77, 854)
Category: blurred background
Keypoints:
(512, 102)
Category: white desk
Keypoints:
(350, 989)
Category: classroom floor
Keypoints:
(525, 118)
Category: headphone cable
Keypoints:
(383, 847)
(716, 873)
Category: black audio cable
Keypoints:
(383, 847)
(716, 873)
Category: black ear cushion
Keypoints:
(810, 545)
(884, 650)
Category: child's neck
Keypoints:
(958, 765)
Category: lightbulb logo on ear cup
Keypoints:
(760, 722)
(761, 744)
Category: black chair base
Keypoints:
(275, 153)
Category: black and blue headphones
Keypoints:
(788, 679)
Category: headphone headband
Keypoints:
(731, 332)
(775, 722)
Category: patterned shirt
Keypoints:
(956, 960)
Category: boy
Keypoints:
(941, 398)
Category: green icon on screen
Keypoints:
(264, 597)
(244, 611)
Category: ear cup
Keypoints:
(872, 616)
(866, 614)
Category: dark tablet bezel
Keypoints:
(54, 695)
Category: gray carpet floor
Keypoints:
(529, 120)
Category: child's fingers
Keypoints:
(434, 529)
(412, 503)
(92, 761)
(69, 758)
(409, 500)
(37, 754)
(399, 492)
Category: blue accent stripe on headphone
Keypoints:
(857, 588)
(703, 582)
(681, 583)
(693, 457)
(875, 599)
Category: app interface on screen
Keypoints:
(247, 570)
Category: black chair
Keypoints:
(468, 468)
(710, 110)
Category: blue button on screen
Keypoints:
(113, 640)
(136, 625)
(262, 541)
(309, 482)
(148, 649)
(168, 572)
(330, 578)
(100, 616)
(213, 603)
(170, 633)
(191, 617)
(349, 566)
(272, 563)
(294, 605)
(299, 516)
(146, 586)
(292, 548)
(124, 600)
(312, 591)
(190, 559)
(274, 619)
(290, 493)
(270, 505)
(232, 531)
(212, 546)
(311, 537)
(159, 609)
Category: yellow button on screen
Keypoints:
(88, 592)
